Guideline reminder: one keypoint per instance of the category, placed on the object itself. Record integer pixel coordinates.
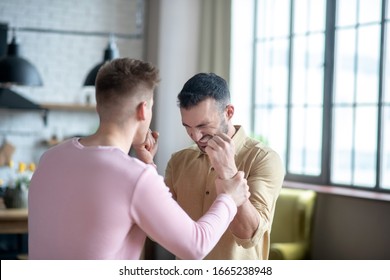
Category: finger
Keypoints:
(224, 137)
(155, 135)
(209, 150)
(149, 141)
(212, 144)
(147, 136)
(217, 142)
(240, 174)
(213, 150)
(222, 142)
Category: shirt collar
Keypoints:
(239, 137)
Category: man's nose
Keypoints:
(196, 135)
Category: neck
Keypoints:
(109, 134)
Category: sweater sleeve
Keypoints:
(162, 219)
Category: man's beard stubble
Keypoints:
(223, 128)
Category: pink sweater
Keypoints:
(100, 203)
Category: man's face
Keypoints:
(203, 121)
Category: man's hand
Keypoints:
(236, 187)
(221, 150)
(148, 149)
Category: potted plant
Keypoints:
(16, 194)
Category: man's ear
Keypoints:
(229, 111)
(141, 110)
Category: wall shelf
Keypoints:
(68, 107)
(11, 100)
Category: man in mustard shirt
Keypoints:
(221, 149)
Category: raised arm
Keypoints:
(165, 221)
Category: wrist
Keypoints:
(228, 176)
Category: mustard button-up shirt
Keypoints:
(190, 177)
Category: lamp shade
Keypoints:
(17, 70)
(91, 77)
(110, 53)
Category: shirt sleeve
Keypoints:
(160, 217)
(265, 180)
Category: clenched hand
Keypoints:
(147, 150)
(220, 149)
(236, 187)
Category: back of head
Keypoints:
(203, 86)
(120, 78)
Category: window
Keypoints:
(321, 88)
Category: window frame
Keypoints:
(324, 178)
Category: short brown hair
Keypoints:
(120, 77)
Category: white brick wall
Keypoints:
(63, 61)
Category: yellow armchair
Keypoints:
(292, 225)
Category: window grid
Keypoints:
(376, 157)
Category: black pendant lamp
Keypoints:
(110, 53)
(15, 70)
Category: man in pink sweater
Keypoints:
(88, 199)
